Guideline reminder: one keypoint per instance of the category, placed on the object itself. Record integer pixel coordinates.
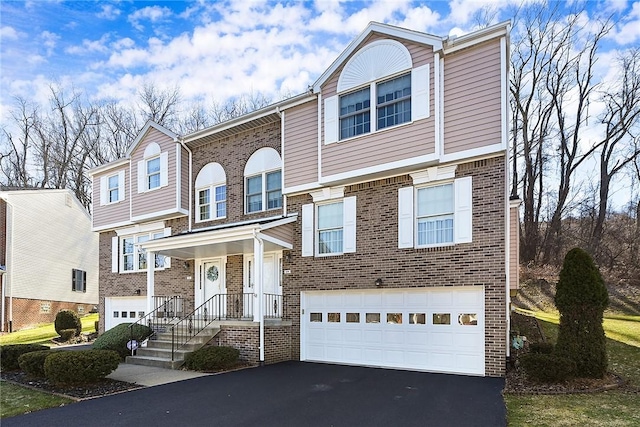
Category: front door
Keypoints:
(213, 285)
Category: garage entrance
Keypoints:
(431, 329)
(119, 310)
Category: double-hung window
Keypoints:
(355, 113)
(435, 215)
(394, 101)
(133, 257)
(78, 280)
(330, 228)
(211, 193)
(264, 190)
(112, 188)
(153, 169)
(153, 173)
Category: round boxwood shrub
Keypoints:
(9, 354)
(117, 338)
(581, 297)
(67, 319)
(80, 367)
(547, 368)
(67, 334)
(212, 358)
(33, 363)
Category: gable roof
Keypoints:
(143, 133)
(380, 28)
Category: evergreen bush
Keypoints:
(80, 367)
(211, 358)
(547, 368)
(67, 334)
(581, 297)
(33, 363)
(117, 338)
(9, 354)
(67, 319)
(541, 347)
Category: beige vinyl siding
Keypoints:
(283, 232)
(393, 144)
(472, 98)
(184, 179)
(41, 258)
(514, 250)
(113, 213)
(301, 145)
(161, 199)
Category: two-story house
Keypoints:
(364, 222)
(48, 257)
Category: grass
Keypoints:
(43, 334)
(611, 408)
(17, 400)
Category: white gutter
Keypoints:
(181, 141)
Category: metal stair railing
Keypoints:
(218, 307)
(167, 307)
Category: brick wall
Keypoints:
(31, 312)
(247, 340)
(481, 262)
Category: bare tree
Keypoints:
(17, 143)
(159, 105)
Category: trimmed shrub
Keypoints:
(212, 358)
(581, 297)
(33, 363)
(117, 338)
(67, 334)
(541, 347)
(547, 368)
(67, 319)
(80, 367)
(9, 354)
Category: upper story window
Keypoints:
(134, 258)
(211, 193)
(378, 88)
(437, 211)
(153, 169)
(263, 181)
(112, 188)
(78, 280)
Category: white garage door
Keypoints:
(439, 329)
(123, 310)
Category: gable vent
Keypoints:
(374, 61)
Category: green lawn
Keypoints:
(611, 408)
(17, 400)
(45, 333)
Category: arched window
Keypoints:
(263, 181)
(211, 193)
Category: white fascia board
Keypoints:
(298, 100)
(172, 211)
(111, 226)
(275, 241)
(385, 29)
(299, 189)
(378, 169)
(454, 44)
(143, 133)
(107, 166)
(200, 239)
(287, 220)
(487, 151)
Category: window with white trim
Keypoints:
(112, 188)
(263, 181)
(211, 193)
(329, 227)
(381, 73)
(134, 258)
(435, 214)
(153, 169)
(78, 280)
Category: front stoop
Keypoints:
(158, 350)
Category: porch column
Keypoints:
(258, 259)
(151, 256)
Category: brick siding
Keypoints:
(28, 312)
(247, 340)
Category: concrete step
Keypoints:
(157, 362)
(190, 346)
(161, 353)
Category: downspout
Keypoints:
(181, 141)
(259, 261)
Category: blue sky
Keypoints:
(215, 50)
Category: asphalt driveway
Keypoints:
(293, 394)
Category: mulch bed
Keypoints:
(78, 392)
(518, 383)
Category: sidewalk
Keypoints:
(150, 376)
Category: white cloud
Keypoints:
(50, 40)
(628, 29)
(153, 14)
(109, 12)
(8, 33)
(90, 46)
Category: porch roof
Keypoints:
(227, 239)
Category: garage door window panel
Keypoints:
(333, 317)
(315, 317)
(417, 318)
(394, 318)
(441, 318)
(373, 317)
(353, 317)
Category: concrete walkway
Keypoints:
(150, 376)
